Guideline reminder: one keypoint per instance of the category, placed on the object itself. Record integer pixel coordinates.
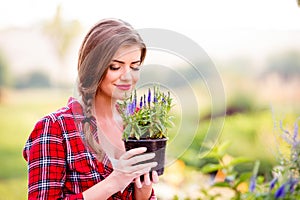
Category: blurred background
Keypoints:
(254, 45)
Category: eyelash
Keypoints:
(113, 68)
(135, 68)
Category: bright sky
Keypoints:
(181, 15)
(211, 23)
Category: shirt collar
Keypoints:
(79, 117)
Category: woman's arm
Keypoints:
(124, 173)
(46, 155)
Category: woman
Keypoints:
(77, 152)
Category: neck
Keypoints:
(109, 125)
(104, 107)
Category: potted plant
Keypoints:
(146, 123)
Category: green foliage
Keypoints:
(19, 112)
(61, 32)
(3, 70)
(286, 65)
(240, 102)
(35, 79)
(150, 119)
(226, 165)
(286, 181)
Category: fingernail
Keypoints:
(144, 148)
(152, 155)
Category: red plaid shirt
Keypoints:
(59, 164)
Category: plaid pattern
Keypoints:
(59, 164)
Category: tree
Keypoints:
(34, 79)
(286, 65)
(3, 71)
(61, 32)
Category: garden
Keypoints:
(254, 157)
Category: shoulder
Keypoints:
(56, 127)
(60, 119)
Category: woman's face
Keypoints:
(122, 74)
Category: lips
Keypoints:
(123, 86)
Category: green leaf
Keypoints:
(127, 131)
(245, 176)
(222, 184)
(239, 160)
(218, 151)
(137, 130)
(209, 154)
(222, 148)
(210, 168)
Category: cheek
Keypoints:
(112, 76)
(136, 77)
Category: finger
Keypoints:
(147, 179)
(141, 168)
(138, 183)
(155, 177)
(133, 152)
(140, 158)
(137, 169)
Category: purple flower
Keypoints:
(296, 128)
(133, 105)
(141, 102)
(280, 192)
(130, 109)
(145, 100)
(149, 97)
(134, 100)
(154, 96)
(292, 183)
(252, 184)
(281, 127)
(127, 111)
(273, 182)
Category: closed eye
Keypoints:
(114, 67)
(135, 66)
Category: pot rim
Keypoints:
(146, 140)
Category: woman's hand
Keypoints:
(143, 188)
(147, 180)
(127, 169)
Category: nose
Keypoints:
(126, 74)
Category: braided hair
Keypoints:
(96, 52)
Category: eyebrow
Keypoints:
(122, 62)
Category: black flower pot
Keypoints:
(157, 146)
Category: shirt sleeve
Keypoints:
(45, 154)
(153, 196)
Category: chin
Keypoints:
(122, 95)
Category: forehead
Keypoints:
(128, 52)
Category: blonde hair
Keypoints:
(96, 52)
